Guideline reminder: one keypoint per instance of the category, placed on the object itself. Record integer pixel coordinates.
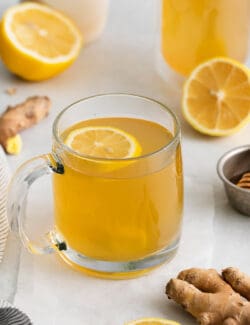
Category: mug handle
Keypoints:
(18, 190)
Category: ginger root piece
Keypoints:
(11, 91)
(21, 117)
(14, 145)
(213, 299)
(238, 280)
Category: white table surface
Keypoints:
(214, 235)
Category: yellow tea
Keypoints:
(196, 30)
(121, 211)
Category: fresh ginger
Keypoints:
(213, 299)
(20, 117)
(14, 145)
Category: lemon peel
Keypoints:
(153, 321)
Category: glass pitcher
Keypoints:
(193, 31)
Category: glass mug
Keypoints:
(113, 218)
(193, 31)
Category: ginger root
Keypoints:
(213, 299)
(14, 145)
(20, 117)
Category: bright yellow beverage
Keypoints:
(121, 211)
(196, 30)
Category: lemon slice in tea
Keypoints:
(103, 142)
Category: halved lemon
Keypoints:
(153, 321)
(216, 97)
(103, 142)
(38, 42)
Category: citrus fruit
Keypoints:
(152, 321)
(37, 42)
(103, 142)
(216, 97)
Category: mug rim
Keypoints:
(224, 158)
(168, 146)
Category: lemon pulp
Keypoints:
(216, 97)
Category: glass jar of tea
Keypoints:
(193, 31)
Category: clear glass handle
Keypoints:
(17, 198)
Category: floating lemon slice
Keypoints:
(153, 321)
(103, 142)
(38, 42)
(216, 98)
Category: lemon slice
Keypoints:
(153, 321)
(216, 97)
(103, 142)
(38, 42)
